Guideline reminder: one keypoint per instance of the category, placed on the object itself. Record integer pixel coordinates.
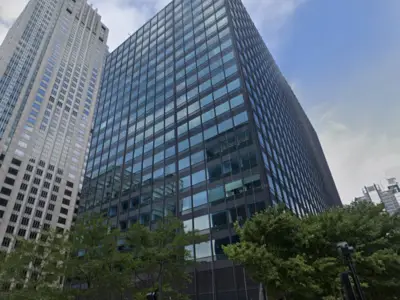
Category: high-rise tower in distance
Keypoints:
(389, 197)
(50, 67)
(195, 119)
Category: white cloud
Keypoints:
(356, 157)
(124, 17)
(9, 11)
(270, 16)
(358, 124)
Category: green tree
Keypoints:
(160, 259)
(95, 267)
(32, 270)
(298, 259)
(96, 261)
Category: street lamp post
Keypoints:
(346, 252)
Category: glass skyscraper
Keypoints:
(50, 67)
(195, 119)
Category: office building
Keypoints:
(195, 119)
(388, 197)
(50, 67)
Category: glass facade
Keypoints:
(195, 119)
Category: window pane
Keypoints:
(196, 139)
(220, 109)
(184, 163)
(182, 129)
(197, 157)
(216, 194)
(183, 145)
(198, 177)
(210, 132)
(186, 203)
(193, 108)
(158, 157)
(194, 123)
(184, 182)
(206, 100)
(219, 219)
(170, 152)
(201, 223)
(240, 118)
(207, 116)
(236, 101)
(199, 199)
(181, 114)
(225, 125)
(170, 169)
(203, 250)
(220, 92)
(147, 162)
(188, 225)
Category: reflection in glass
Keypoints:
(201, 223)
(186, 203)
(198, 177)
(188, 225)
(203, 250)
(200, 199)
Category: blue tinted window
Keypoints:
(194, 122)
(231, 70)
(198, 177)
(170, 135)
(207, 116)
(240, 118)
(182, 129)
(206, 100)
(41, 92)
(170, 152)
(234, 85)
(186, 204)
(210, 132)
(183, 145)
(170, 169)
(159, 157)
(236, 101)
(158, 173)
(197, 157)
(199, 199)
(147, 162)
(215, 194)
(158, 141)
(36, 106)
(196, 139)
(217, 78)
(184, 163)
(184, 182)
(225, 125)
(222, 108)
(204, 86)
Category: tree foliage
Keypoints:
(38, 261)
(298, 259)
(160, 258)
(96, 261)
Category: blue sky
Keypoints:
(342, 58)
